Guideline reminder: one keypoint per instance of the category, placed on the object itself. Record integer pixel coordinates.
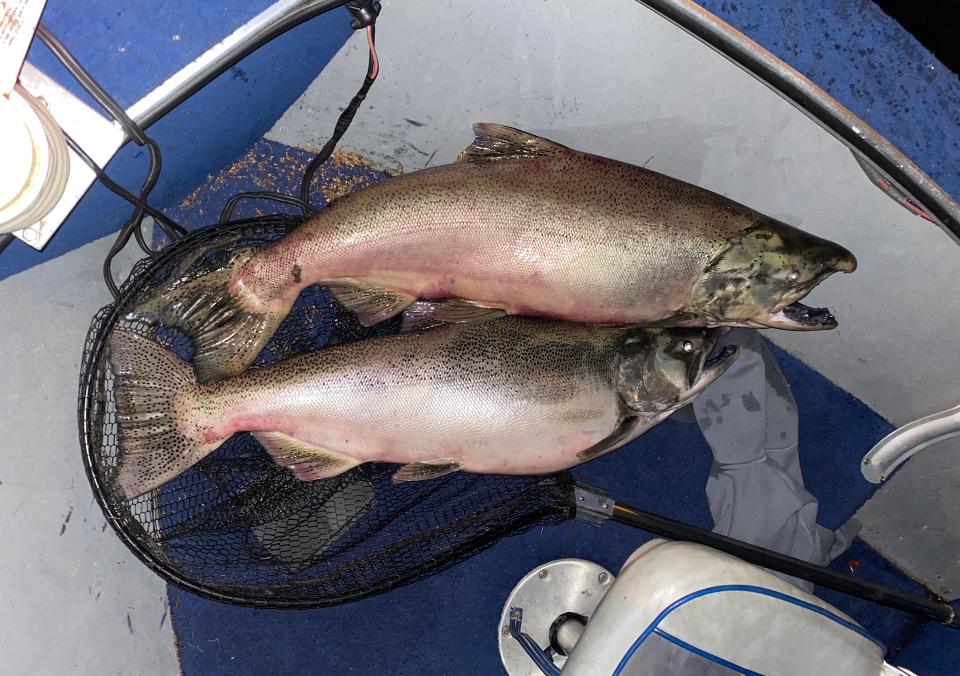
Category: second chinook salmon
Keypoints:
(511, 396)
(521, 225)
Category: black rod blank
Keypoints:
(933, 608)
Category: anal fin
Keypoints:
(371, 304)
(307, 461)
(424, 314)
(429, 469)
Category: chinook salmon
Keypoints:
(512, 396)
(521, 225)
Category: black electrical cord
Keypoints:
(365, 14)
(92, 86)
(346, 117)
(264, 195)
(131, 128)
(113, 186)
(136, 220)
(128, 229)
(133, 226)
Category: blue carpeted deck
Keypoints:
(448, 623)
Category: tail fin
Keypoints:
(226, 337)
(153, 450)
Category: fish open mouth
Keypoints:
(796, 316)
(799, 317)
(713, 367)
(720, 357)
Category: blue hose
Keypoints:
(534, 651)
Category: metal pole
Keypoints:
(935, 608)
(816, 103)
(269, 24)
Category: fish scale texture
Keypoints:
(512, 396)
(560, 233)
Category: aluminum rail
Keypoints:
(819, 106)
(269, 24)
(903, 443)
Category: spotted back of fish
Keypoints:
(538, 226)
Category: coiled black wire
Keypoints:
(133, 226)
(365, 13)
(121, 241)
(231, 204)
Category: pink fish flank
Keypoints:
(561, 234)
(513, 396)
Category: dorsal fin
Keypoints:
(498, 142)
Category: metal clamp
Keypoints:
(592, 505)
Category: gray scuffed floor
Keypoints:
(914, 519)
(641, 90)
(74, 600)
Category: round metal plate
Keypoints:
(562, 586)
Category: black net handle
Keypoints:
(933, 608)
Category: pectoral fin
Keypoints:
(621, 433)
(430, 469)
(371, 304)
(308, 462)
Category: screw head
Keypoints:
(542, 574)
(605, 505)
(505, 630)
(603, 578)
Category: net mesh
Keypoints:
(239, 528)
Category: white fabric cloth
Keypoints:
(755, 490)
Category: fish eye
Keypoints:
(793, 276)
(687, 346)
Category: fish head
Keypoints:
(660, 370)
(759, 277)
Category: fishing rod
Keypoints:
(595, 507)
